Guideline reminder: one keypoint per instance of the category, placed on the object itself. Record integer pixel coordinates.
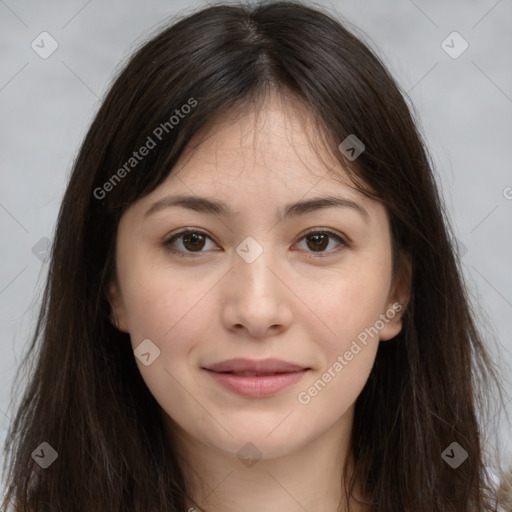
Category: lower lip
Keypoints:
(257, 386)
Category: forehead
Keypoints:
(275, 141)
(257, 166)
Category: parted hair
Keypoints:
(85, 396)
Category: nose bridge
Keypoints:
(252, 261)
(256, 298)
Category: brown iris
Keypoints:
(196, 241)
(321, 240)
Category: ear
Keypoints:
(398, 299)
(118, 310)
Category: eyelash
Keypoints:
(186, 254)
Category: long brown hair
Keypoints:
(86, 397)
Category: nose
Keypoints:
(257, 298)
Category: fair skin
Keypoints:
(292, 302)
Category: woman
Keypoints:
(254, 301)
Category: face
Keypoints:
(309, 286)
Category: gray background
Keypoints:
(463, 105)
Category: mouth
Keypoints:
(265, 366)
(255, 379)
(254, 374)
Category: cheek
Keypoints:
(170, 315)
(350, 308)
(174, 312)
(175, 318)
(330, 394)
(158, 297)
(349, 303)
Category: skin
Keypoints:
(291, 302)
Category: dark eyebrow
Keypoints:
(214, 207)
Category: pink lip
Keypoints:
(257, 386)
(250, 365)
(286, 374)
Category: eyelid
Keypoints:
(329, 231)
(184, 231)
(342, 239)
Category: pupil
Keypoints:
(321, 239)
(193, 239)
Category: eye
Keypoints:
(194, 241)
(318, 240)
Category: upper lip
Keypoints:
(250, 365)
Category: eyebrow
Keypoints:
(215, 207)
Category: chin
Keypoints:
(259, 444)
